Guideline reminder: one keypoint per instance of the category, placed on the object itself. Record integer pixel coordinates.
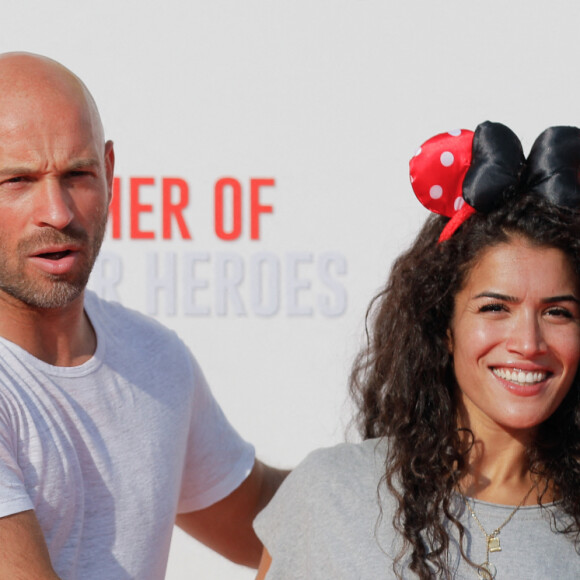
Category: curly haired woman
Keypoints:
(468, 390)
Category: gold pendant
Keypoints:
(493, 544)
(487, 571)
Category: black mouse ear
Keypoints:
(553, 167)
(496, 165)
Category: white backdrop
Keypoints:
(317, 104)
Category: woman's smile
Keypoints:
(515, 335)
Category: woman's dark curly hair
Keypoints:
(404, 385)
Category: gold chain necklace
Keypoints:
(487, 570)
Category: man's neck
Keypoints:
(60, 337)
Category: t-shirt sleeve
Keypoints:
(209, 457)
(286, 525)
(308, 509)
(13, 495)
(217, 459)
(322, 521)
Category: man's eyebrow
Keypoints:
(75, 165)
(4, 171)
(547, 300)
(82, 164)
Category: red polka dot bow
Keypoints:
(457, 173)
(437, 172)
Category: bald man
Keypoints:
(108, 431)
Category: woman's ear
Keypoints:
(449, 341)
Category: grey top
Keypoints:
(325, 523)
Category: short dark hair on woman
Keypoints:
(404, 385)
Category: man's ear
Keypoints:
(109, 167)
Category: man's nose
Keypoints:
(53, 205)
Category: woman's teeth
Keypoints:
(519, 376)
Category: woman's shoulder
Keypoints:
(367, 455)
(335, 488)
(354, 467)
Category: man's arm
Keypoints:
(23, 551)
(226, 526)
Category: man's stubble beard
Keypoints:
(53, 291)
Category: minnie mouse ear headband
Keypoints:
(458, 173)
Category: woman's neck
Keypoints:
(497, 465)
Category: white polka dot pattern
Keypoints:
(447, 159)
(438, 168)
(436, 191)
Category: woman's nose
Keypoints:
(526, 336)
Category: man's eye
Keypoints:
(15, 180)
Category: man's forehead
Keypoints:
(55, 131)
(50, 143)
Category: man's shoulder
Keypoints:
(130, 338)
(116, 313)
(120, 323)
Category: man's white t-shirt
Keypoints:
(108, 452)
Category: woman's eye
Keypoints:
(559, 312)
(493, 307)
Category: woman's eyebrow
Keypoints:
(497, 296)
(548, 300)
(562, 298)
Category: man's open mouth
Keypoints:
(55, 255)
